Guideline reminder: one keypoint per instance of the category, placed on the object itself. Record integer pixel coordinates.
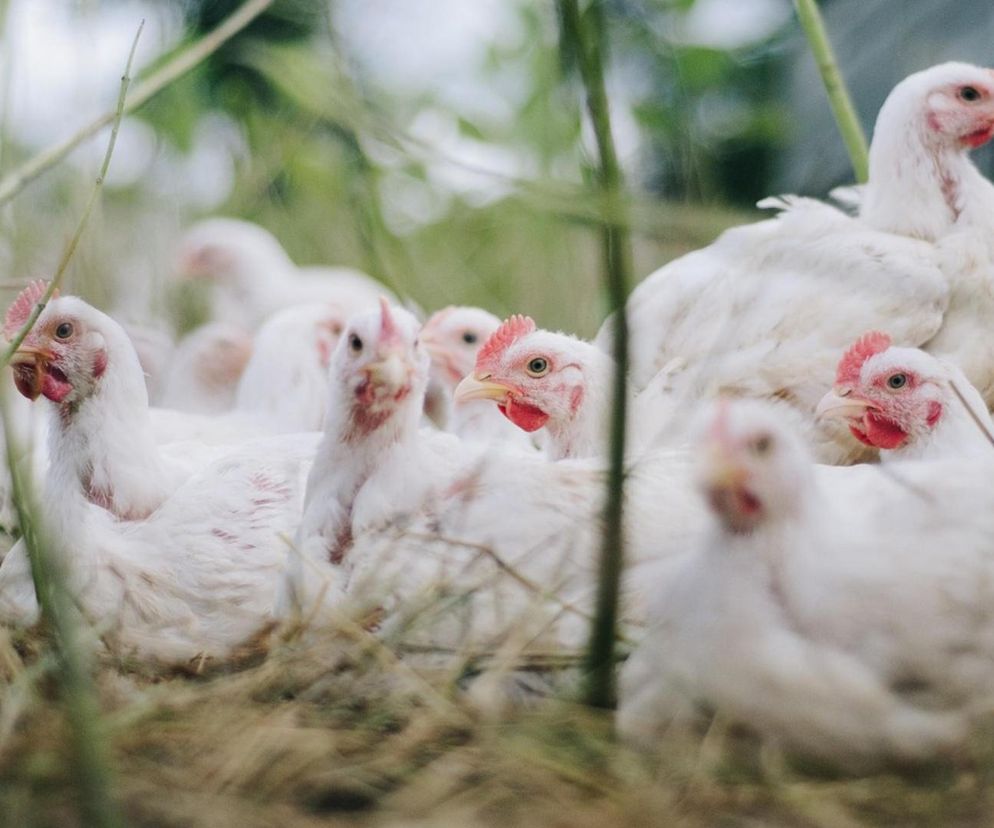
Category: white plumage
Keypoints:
(285, 384)
(203, 373)
(173, 554)
(817, 594)
(395, 514)
(250, 276)
(765, 310)
(283, 388)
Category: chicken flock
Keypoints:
(808, 546)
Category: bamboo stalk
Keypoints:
(584, 44)
(91, 760)
(835, 87)
(186, 60)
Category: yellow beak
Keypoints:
(838, 406)
(477, 387)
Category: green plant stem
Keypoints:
(838, 96)
(186, 60)
(583, 42)
(91, 754)
(84, 219)
(92, 763)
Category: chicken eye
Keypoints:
(761, 445)
(469, 337)
(538, 366)
(896, 381)
(969, 94)
(355, 343)
(64, 331)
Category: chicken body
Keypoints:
(250, 275)
(808, 606)
(474, 542)
(764, 310)
(175, 554)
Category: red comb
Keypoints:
(510, 331)
(20, 310)
(869, 344)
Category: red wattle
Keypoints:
(883, 433)
(979, 138)
(526, 417)
(54, 389)
(27, 378)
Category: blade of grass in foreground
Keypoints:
(581, 38)
(79, 697)
(838, 96)
(182, 63)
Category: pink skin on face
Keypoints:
(885, 408)
(965, 111)
(529, 388)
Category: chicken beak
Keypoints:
(841, 405)
(28, 362)
(29, 355)
(391, 372)
(478, 387)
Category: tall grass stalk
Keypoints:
(92, 762)
(838, 95)
(581, 39)
(186, 60)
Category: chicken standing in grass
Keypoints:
(485, 540)
(250, 276)
(171, 555)
(907, 403)
(765, 310)
(727, 632)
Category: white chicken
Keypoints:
(204, 370)
(453, 336)
(820, 594)
(283, 388)
(765, 309)
(170, 562)
(559, 386)
(394, 514)
(285, 384)
(544, 380)
(907, 403)
(250, 275)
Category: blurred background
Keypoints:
(437, 144)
